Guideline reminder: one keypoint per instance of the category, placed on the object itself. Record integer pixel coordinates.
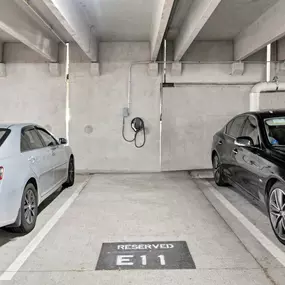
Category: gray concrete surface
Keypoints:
(97, 101)
(256, 215)
(146, 207)
(11, 245)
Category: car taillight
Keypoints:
(1, 172)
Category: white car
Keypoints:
(33, 165)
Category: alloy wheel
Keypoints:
(30, 207)
(277, 212)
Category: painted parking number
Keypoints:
(126, 260)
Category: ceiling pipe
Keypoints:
(254, 96)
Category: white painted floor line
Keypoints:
(265, 242)
(20, 260)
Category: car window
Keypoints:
(235, 129)
(275, 130)
(250, 129)
(24, 144)
(47, 138)
(4, 133)
(30, 140)
(228, 127)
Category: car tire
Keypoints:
(28, 211)
(276, 210)
(71, 174)
(218, 171)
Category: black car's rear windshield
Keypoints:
(275, 130)
(4, 133)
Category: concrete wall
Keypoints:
(191, 113)
(210, 51)
(29, 93)
(97, 102)
(191, 116)
(272, 100)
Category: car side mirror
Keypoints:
(62, 141)
(244, 141)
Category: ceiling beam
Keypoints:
(74, 20)
(159, 26)
(268, 28)
(24, 29)
(200, 12)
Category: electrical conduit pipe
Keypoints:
(254, 95)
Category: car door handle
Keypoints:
(32, 159)
(235, 151)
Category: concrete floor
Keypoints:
(136, 208)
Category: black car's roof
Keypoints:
(268, 113)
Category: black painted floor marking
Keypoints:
(145, 255)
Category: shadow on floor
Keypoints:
(6, 236)
(50, 199)
(252, 200)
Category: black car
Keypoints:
(249, 152)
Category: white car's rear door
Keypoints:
(58, 155)
(39, 158)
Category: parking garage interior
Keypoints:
(84, 69)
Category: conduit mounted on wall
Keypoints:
(254, 96)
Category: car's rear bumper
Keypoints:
(8, 207)
(6, 223)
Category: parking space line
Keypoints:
(265, 242)
(20, 260)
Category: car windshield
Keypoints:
(275, 130)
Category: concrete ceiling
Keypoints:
(4, 37)
(232, 16)
(47, 15)
(131, 20)
(120, 20)
(180, 11)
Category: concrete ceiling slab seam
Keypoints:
(268, 28)
(200, 12)
(74, 21)
(41, 14)
(120, 20)
(159, 25)
(27, 31)
(233, 16)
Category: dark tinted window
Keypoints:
(4, 133)
(30, 140)
(250, 129)
(47, 138)
(236, 126)
(24, 143)
(275, 130)
(228, 127)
